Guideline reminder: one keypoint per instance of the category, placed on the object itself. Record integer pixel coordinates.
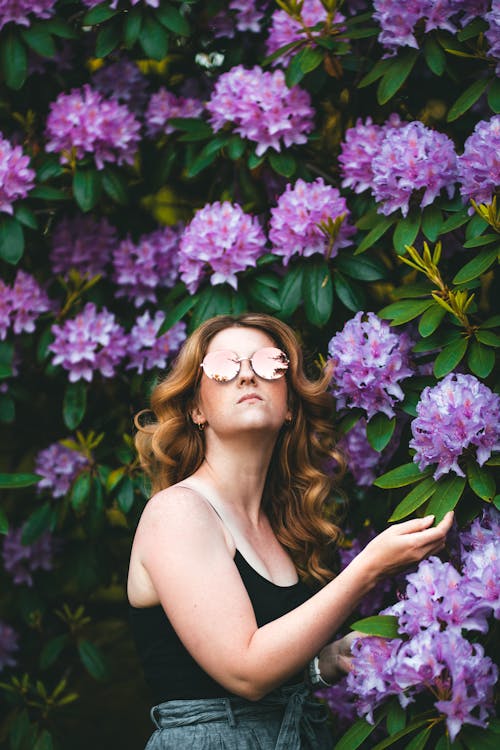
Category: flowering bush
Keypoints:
(82, 243)
(16, 178)
(479, 165)
(163, 106)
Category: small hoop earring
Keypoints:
(201, 426)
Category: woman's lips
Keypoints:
(248, 396)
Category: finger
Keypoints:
(414, 525)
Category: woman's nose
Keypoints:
(246, 373)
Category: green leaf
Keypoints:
(396, 75)
(405, 310)
(38, 522)
(448, 493)
(414, 499)
(494, 95)
(349, 293)
(356, 735)
(317, 291)
(450, 357)
(378, 70)
(44, 741)
(455, 221)
(384, 626)
(99, 14)
(13, 59)
(153, 38)
(416, 724)
(431, 320)
(81, 490)
(310, 58)
(472, 29)
(236, 147)
(177, 313)
(481, 481)
(195, 128)
(290, 294)
(38, 38)
(484, 239)
(492, 322)
(25, 216)
(434, 56)
(115, 186)
(47, 193)
(379, 431)
(11, 240)
(86, 188)
(477, 266)
(432, 221)
(74, 404)
(294, 73)
(173, 20)
(401, 476)
(125, 494)
(203, 160)
(375, 234)
(132, 26)
(467, 99)
(283, 163)
(211, 301)
(92, 660)
(419, 289)
(361, 268)
(4, 523)
(263, 294)
(52, 649)
(396, 718)
(436, 340)
(479, 739)
(406, 231)
(10, 481)
(481, 359)
(420, 741)
(488, 338)
(108, 38)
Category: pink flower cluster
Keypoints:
(141, 268)
(19, 11)
(58, 466)
(285, 29)
(16, 178)
(146, 350)
(92, 341)
(122, 80)
(479, 165)
(83, 243)
(261, 108)
(21, 560)
(163, 106)
(84, 122)
(21, 304)
(360, 146)
(294, 220)
(369, 360)
(458, 413)
(221, 240)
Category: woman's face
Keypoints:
(247, 403)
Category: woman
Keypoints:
(232, 601)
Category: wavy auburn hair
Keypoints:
(298, 494)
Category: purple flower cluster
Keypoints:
(363, 461)
(440, 606)
(164, 105)
(84, 122)
(114, 3)
(83, 243)
(16, 178)
(146, 350)
(122, 80)
(361, 145)
(21, 304)
(140, 269)
(58, 466)
(22, 560)
(479, 165)
(246, 17)
(285, 29)
(369, 360)
(493, 33)
(90, 342)
(261, 107)
(413, 158)
(222, 240)
(8, 644)
(19, 11)
(294, 220)
(458, 413)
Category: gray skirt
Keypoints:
(289, 718)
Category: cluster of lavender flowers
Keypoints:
(21, 560)
(143, 267)
(294, 220)
(397, 18)
(164, 105)
(21, 304)
(122, 80)
(83, 243)
(16, 178)
(244, 15)
(146, 350)
(8, 645)
(261, 107)
(19, 11)
(439, 605)
(363, 461)
(58, 466)
(84, 122)
(285, 29)
(221, 239)
(458, 413)
(369, 359)
(493, 32)
(479, 165)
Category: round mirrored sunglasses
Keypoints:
(268, 363)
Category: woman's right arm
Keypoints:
(184, 551)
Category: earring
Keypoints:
(201, 426)
(288, 421)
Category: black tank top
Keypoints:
(169, 669)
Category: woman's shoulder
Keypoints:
(177, 500)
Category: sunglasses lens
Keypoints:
(270, 363)
(221, 366)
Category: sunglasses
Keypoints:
(268, 363)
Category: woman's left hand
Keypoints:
(335, 658)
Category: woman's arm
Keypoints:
(185, 553)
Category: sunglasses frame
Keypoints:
(238, 360)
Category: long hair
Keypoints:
(299, 490)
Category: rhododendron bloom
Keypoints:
(16, 178)
(479, 165)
